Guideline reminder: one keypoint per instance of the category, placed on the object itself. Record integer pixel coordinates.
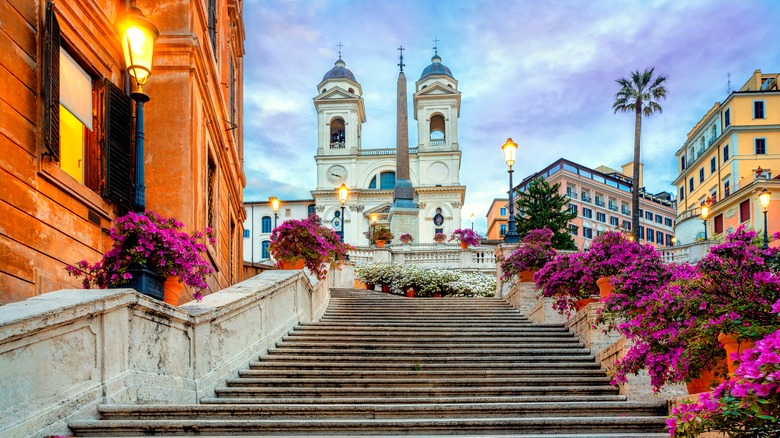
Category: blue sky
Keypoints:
(542, 72)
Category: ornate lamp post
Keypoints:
(510, 149)
(705, 213)
(674, 241)
(472, 217)
(764, 197)
(343, 191)
(371, 228)
(138, 36)
(275, 205)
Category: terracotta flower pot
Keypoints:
(605, 288)
(173, 290)
(386, 288)
(370, 286)
(380, 243)
(526, 276)
(731, 345)
(579, 304)
(436, 295)
(292, 266)
(464, 245)
(706, 380)
(410, 292)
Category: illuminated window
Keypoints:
(75, 115)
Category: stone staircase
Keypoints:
(379, 364)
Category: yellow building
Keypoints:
(497, 219)
(730, 156)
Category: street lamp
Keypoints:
(472, 217)
(371, 227)
(674, 241)
(764, 197)
(138, 35)
(510, 149)
(275, 205)
(705, 212)
(343, 193)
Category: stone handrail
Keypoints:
(688, 253)
(65, 352)
(448, 256)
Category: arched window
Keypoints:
(337, 133)
(264, 248)
(386, 181)
(266, 224)
(437, 130)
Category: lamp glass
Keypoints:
(510, 149)
(764, 197)
(373, 217)
(343, 193)
(705, 211)
(275, 204)
(138, 35)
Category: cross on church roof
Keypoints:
(401, 64)
(340, 46)
(436, 46)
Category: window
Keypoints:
(744, 210)
(641, 232)
(211, 177)
(386, 181)
(725, 153)
(760, 146)
(668, 222)
(232, 91)
(573, 208)
(287, 212)
(682, 163)
(264, 248)
(713, 165)
(600, 200)
(659, 219)
(641, 213)
(573, 229)
(337, 133)
(682, 193)
(649, 215)
(613, 221)
(613, 205)
(246, 234)
(212, 25)
(726, 188)
(601, 217)
(311, 210)
(659, 237)
(437, 130)
(502, 211)
(625, 210)
(669, 240)
(87, 121)
(266, 224)
(502, 230)
(701, 175)
(650, 235)
(588, 213)
(690, 184)
(719, 224)
(627, 225)
(727, 118)
(758, 109)
(587, 232)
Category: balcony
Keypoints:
(572, 195)
(587, 198)
(613, 207)
(600, 203)
(711, 141)
(440, 142)
(337, 145)
(625, 211)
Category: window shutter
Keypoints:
(51, 85)
(719, 224)
(212, 25)
(118, 146)
(744, 210)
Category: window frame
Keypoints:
(763, 109)
(763, 145)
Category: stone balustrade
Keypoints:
(446, 256)
(65, 352)
(688, 253)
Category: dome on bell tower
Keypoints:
(436, 68)
(339, 71)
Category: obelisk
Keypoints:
(403, 213)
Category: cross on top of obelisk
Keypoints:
(401, 64)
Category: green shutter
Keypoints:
(118, 145)
(51, 84)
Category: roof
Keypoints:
(436, 68)
(339, 71)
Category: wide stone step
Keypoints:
(417, 311)
(575, 425)
(442, 399)
(477, 350)
(473, 319)
(448, 373)
(411, 381)
(564, 363)
(447, 343)
(430, 328)
(421, 391)
(426, 358)
(425, 339)
(357, 410)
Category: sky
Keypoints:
(542, 72)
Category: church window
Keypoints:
(386, 181)
(337, 138)
(437, 130)
(351, 90)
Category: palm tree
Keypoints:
(640, 93)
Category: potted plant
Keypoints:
(536, 250)
(608, 255)
(146, 249)
(466, 237)
(439, 237)
(564, 279)
(382, 236)
(368, 273)
(409, 279)
(298, 243)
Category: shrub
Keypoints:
(319, 247)
(535, 252)
(406, 238)
(465, 235)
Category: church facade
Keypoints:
(370, 173)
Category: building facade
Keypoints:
(261, 220)
(497, 219)
(601, 197)
(67, 124)
(729, 157)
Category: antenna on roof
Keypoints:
(340, 46)
(436, 46)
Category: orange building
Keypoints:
(601, 197)
(66, 127)
(497, 219)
